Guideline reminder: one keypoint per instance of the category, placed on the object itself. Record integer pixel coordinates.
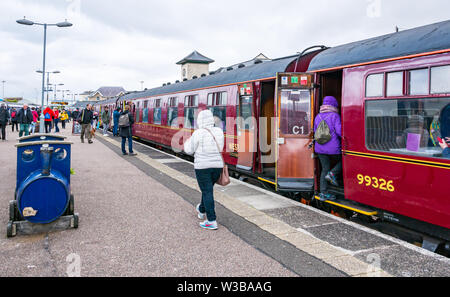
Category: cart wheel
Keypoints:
(71, 204)
(75, 221)
(12, 210)
(9, 230)
(70, 207)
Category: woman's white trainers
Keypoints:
(209, 225)
(200, 215)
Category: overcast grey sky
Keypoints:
(123, 42)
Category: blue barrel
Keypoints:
(43, 180)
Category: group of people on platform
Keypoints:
(122, 125)
(26, 119)
(206, 144)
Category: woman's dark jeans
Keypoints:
(206, 179)
(325, 161)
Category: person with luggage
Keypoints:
(126, 122)
(48, 119)
(327, 137)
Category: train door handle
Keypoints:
(344, 143)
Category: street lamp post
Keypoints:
(54, 94)
(48, 80)
(64, 24)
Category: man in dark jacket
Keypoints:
(13, 114)
(75, 114)
(24, 118)
(85, 119)
(106, 118)
(125, 132)
(4, 119)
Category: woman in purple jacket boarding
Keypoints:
(331, 150)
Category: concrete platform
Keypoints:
(130, 225)
(137, 218)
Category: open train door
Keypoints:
(294, 108)
(246, 125)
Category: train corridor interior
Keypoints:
(267, 111)
(331, 85)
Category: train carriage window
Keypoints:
(406, 126)
(138, 112)
(295, 112)
(190, 110)
(217, 104)
(157, 112)
(145, 112)
(245, 114)
(374, 85)
(172, 112)
(440, 79)
(394, 86)
(419, 82)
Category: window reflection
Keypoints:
(407, 126)
(295, 112)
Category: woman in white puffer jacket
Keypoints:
(204, 145)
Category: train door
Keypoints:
(246, 126)
(294, 132)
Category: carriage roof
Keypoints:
(430, 38)
(263, 70)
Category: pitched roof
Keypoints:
(260, 58)
(109, 91)
(195, 57)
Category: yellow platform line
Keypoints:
(267, 181)
(373, 213)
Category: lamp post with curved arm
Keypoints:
(64, 24)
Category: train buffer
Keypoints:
(138, 219)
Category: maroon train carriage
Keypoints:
(395, 101)
(112, 104)
(394, 95)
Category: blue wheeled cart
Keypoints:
(43, 201)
